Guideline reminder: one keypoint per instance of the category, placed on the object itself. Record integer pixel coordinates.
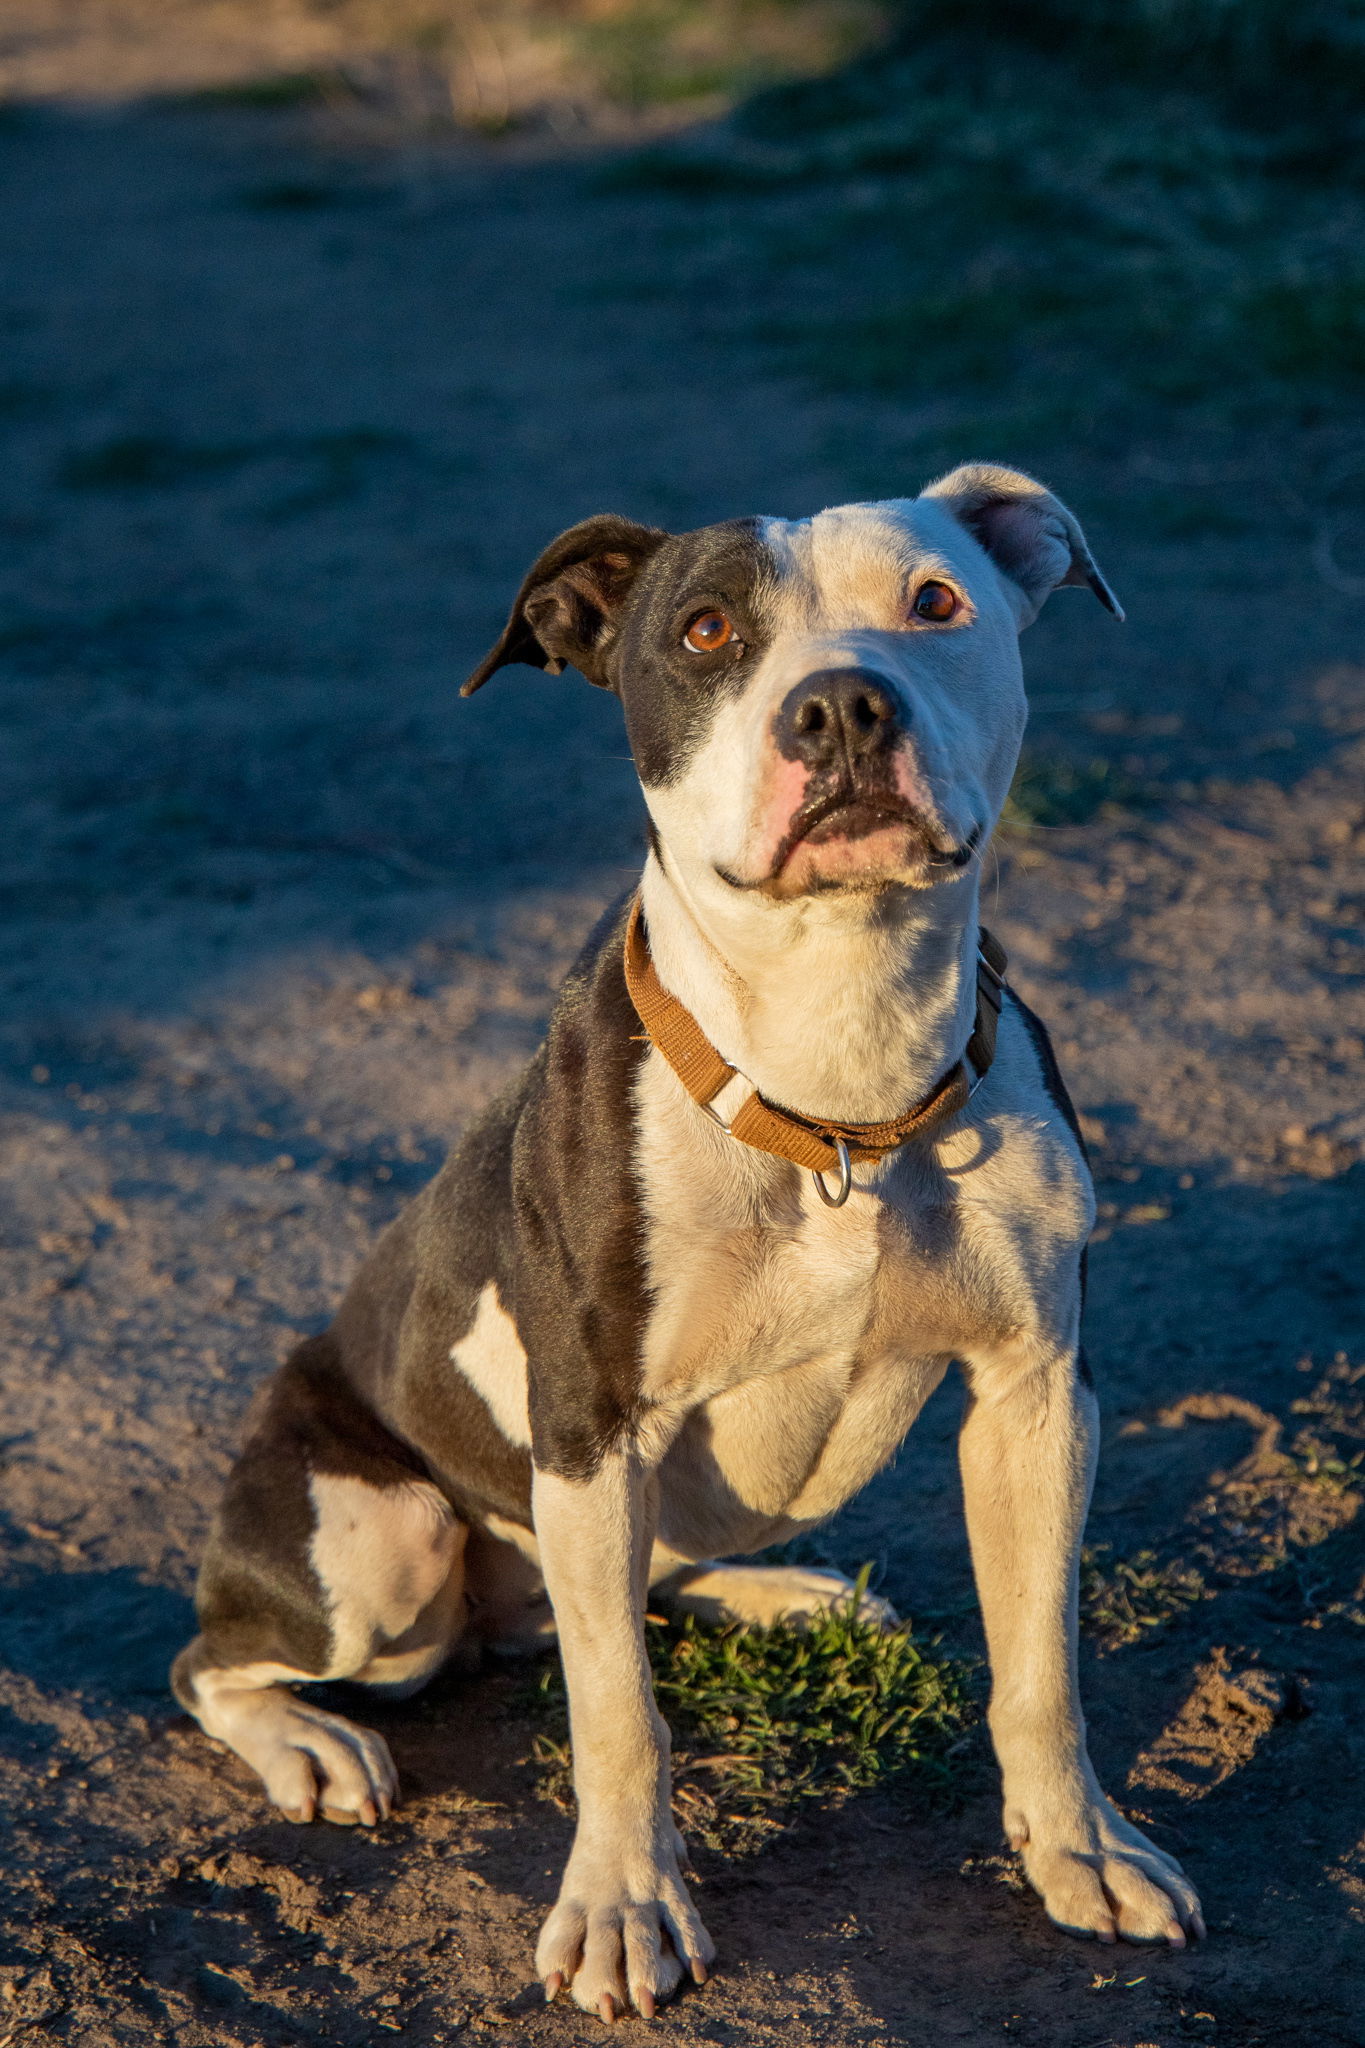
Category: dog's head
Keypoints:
(830, 704)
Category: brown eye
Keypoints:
(707, 632)
(935, 601)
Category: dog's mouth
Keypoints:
(851, 813)
(845, 814)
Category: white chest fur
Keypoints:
(791, 1346)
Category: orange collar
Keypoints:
(817, 1143)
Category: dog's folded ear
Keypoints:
(1028, 534)
(568, 606)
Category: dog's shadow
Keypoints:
(108, 1633)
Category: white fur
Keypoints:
(306, 1758)
(791, 1346)
(388, 1562)
(382, 1556)
(623, 1929)
(757, 1595)
(848, 1004)
(492, 1359)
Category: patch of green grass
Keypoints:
(767, 1720)
(1265, 58)
(1293, 69)
(991, 212)
(1123, 1601)
(1048, 792)
(1320, 1461)
(662, 52)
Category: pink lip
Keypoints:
(848, 814)
(789, 817)
(842, 856)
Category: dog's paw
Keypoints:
(619, 1939)
(1101, 1877)
(811, 1592)
(312, 1763)
(760, 1594)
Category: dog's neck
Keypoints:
(849, 1007)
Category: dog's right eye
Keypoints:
(707, 632)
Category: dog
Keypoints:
(790, 1148)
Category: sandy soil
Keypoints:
(282, 427)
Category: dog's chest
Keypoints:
(796, 1343)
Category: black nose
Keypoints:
(839, 715)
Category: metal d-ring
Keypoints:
(845, 1178)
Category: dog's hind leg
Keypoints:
(757, 1595)
(332, 1557)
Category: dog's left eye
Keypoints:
(708, 631)
(935, 601)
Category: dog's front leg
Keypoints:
(624, 1930)
(1028, 1458)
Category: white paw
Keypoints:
(312, 1763)
(761, 1594)
(619, 1939)
(1101, 1877)
(808, 1592)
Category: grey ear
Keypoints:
(1028, 534)
(566, 609)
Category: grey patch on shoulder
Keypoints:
(478, 1466)
(582, 1296)
(418, 1298)
(526, 1247)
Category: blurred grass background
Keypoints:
(1073, 208)
(1068, 208)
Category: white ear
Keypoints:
(1028, 534)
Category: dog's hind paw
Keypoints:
(324, 1767)
(311, 1763)
(761, 1594)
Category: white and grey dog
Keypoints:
(683, 1288)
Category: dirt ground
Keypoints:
(284, 420)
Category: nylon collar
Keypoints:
(818, 1143)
